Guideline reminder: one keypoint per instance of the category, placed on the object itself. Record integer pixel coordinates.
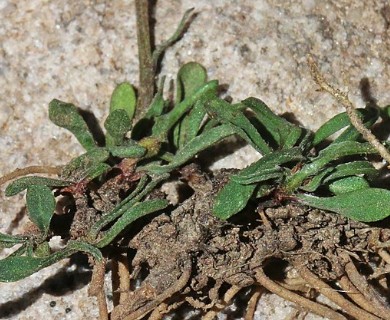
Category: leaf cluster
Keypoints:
(296, 165)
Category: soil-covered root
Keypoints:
(190, 258)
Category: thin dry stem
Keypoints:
(120, 313)
(147, 70)
(252, 303)
(355, 295)
(350, 109)
(163, 309)
(384, 255)
(333, 295)
(300, 301)
(366, 290)
(96, 288)
(120, 279)
(29, 170)
(227, 298)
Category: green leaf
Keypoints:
(21, 184)
(268, 164)
(95, 171)
(316, 181)
(340, 171)
(40, 204)
(132, 150)
(143, 188)
(232, 198)
(66, 115)
(139, 210)
(17, 267)
(167, 121)
(365, 205)
(340, 121)
(117, 125)
(348, 184)
(333, 152)
(77, 168)
(191, 77)
(351, 169)
(8, 241)
(285, 134)
(231, 114)
(157, 106)
(199, 143)
(123, 98)
(14, 268)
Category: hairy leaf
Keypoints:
(17, 267)
(191, 77)
(21, 184)
(232, 198)
(365, 205)
(117, 125)
(231, 114)
(66, 115)
(196, 145)
(14, 268)
(268, 164)
(316, 180)
(348, 184)
(76, 169)
(123, 98)
(132, 150)
(8, 241)
(165, 122)
(333, 152)
(139, 210)
(40, 204)
(341, 121)
(285, 134)
(351, 169)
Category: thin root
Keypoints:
(96, 288)
(305, 303)
(366, 290)
(355, 295)
(120, 313)
(120, 279)
(252, 303)
(227, 298)
(332, 294)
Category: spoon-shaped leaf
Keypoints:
(123, 98)
(117, 125)
(66, 115)
(40, 204)
(190, 78)
(139, 210)
(231, 114)
(367, 205)
(341, 121)
(21, 184)
(284, 133)
(232, 198)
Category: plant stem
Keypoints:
(146, 65)
(350, 109)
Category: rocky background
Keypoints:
(77, 51)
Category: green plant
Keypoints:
(111, 186)
(300, 162)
